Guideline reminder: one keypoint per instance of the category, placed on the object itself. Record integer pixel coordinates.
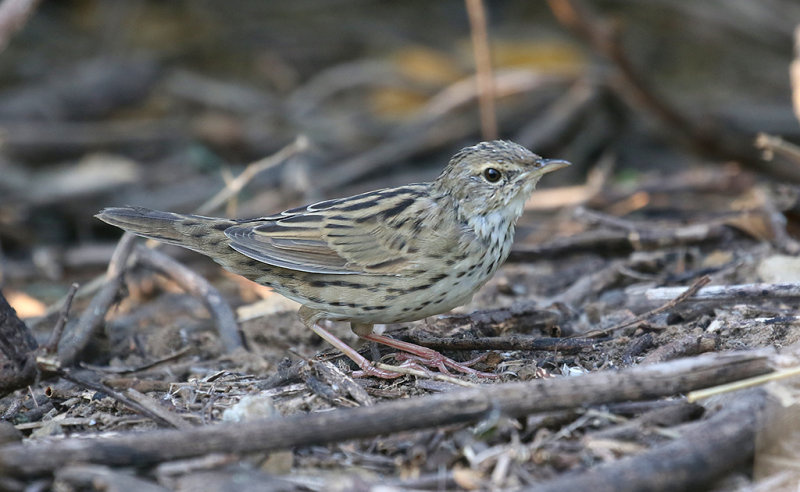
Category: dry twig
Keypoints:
(737, 293)
(236, 185)
(131, 404)
(51, 347)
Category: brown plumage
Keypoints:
(391, 255)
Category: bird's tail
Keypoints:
(202, 234)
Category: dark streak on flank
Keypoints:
(374, 308)
(336, 283)
(345, 304)
(418, 287)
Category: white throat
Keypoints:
(495, 227)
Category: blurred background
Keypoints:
(164, 104)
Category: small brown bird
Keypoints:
(386, 256)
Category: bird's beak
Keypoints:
(549, 165)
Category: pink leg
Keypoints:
(428, 356)
(365, 365)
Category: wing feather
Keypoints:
(363, 234)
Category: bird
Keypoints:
(391, 255)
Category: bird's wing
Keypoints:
(372, 233)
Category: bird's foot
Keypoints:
(428, 357)
(368, 370)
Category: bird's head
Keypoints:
(494, 178)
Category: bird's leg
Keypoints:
(420, 354)
(311, 318)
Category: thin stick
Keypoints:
(52, 344)
(698, 395)
(97, 386)
(687, 293)
(483, 67)
(729, 292)
(235, 185)
(412, 371)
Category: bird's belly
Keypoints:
(396, 300)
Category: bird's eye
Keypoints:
(492, 175)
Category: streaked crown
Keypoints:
(495, 176)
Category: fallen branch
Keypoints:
(456, 407)
(739, 292)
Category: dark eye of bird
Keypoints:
(492, 175)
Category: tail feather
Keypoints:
(195, 232)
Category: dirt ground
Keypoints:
(662, 262)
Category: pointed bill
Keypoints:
(550, 165)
